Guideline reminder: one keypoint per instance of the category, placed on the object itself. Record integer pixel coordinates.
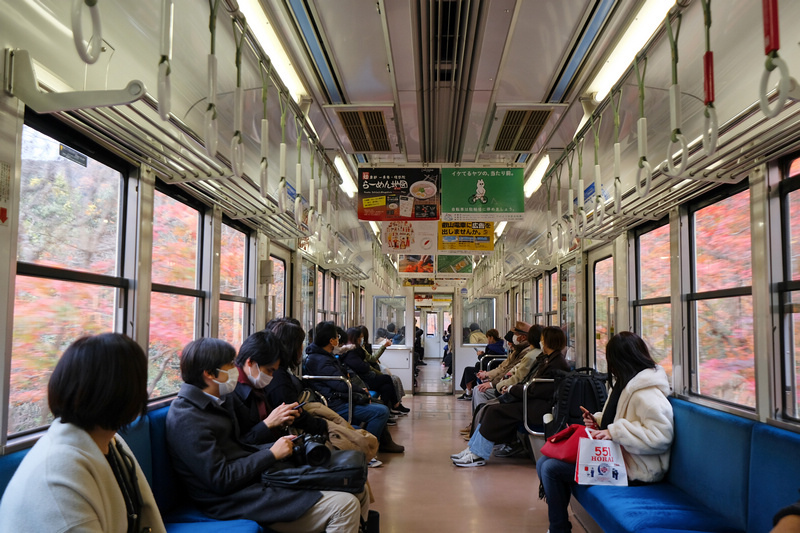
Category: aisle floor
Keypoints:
(422, 491)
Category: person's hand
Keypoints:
(282, 447)
(387, 343)
(483, 387)
(504, 390)
(588, 419)
(283, 415)
(482, 374)
(481, 353)
(598, 434)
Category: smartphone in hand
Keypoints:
(588, 418)
(299, 406)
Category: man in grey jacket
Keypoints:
(222, 475)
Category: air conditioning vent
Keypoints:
(366, 130)
(520, 129)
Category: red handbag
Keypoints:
(564, 444)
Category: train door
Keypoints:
(431, 378)
(600, 308)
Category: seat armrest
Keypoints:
(525, 404)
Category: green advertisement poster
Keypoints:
(454, 265)
(482, 194)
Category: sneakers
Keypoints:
(395, 413)
(447, 377)
(465, 397)
(374, 463)
(469, 459)
(466, 430)
(402, 408)
(391, 422)
(460, 454)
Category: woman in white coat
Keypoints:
(637, 415)
(84, 474)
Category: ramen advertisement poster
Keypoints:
(399, 193)
(456, 238)
(478, 194)
(404, 237)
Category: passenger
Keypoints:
(258, 362)
(343, 346)
(490, 378)
(787, 520)
(374, 362)
(637, 415)
(87, 475)
(447, 356)
(476, 336)
(355, 359)
(222, 474)
(501, 420)
(400, 337)
(419, 348)
(381, 336)
(494, 346)
(321, 362)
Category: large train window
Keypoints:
(603, 282)
(527, 295)
(651, 306)
(721, 302)
(567, 292)
(176, 300)
(552, 298)
(69, 266)
(790, 290)
(233, 301)
(307, 292)
(478, 312)
(277, 289)
(389, 319)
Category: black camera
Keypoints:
(310, 450)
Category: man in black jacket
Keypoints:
(222, 475)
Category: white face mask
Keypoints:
(261, 381)
(226, 387)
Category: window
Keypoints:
(480, 312)
(527, 311)
(68, 271)
(652, 308)
(517, 304)
(568, 290)
(343, 303)
(320, 296)
(389, 319)
(176, 301)
(430, 324)
(552, 299)
(277, 289)
(790, 291)
(308, 279)
(721, 304)
(603, 310)
(538, 312)
(234, 305)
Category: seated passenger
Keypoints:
(374, 360)
(494, 346)
(476, 336)
(490, 378)
(501, 420)
(637, 415)
(222, 474)
(355, 359)
(321, 362)
(85, 472)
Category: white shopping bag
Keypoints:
(600, 462)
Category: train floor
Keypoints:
(422, 491)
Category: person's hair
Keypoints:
(535, 335)
(99, 382)
(493, 333)
(474, 327)
(290, 336)
(627, 355)
(206, 354)
(262, 347)
(342, 335)
(391, 327)
(353, 334)
(365, 332)
(324, 332)
(554, 338)
(382, 333)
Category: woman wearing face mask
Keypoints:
(259, 420)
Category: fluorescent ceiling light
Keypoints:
(647, 21)
(263, 30)
(535, 179)
(375, 229)
(348, 185)
(498, 230)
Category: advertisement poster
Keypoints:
(456, 238)
(415, 266)
(403, 237)
(454, 265)
(419, 282)
(399, 193)
(478, 194)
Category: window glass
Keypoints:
(232, 265)
(479, 312)
(172, 326)
(48, 316)
(389, 320)
(567, 291)
(793, 201)
(794, 344)
(527, 311)
(320, 290)
(68, 215)
(603, 310)
(518, 305)
(540, 295)
(343, 302)
(430, 324)
(554, 298)
(232, 319)
(654, 268)
(722, 244)
(656, 331)
(175, 226)
(308, 279)
(277, 289)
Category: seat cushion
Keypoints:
(165, 485)
(137, 436)
(660, 506)
(774, 475)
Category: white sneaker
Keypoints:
(460, 454)
(374, 463)
(470, 459)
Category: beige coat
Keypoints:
(521, 369)
(511, 361)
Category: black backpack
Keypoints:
(582, 387)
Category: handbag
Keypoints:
(564, 444)
(309, 395)
(346, 471)
(600, 462)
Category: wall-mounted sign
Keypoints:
(399, 193)
(480, 194)
(456, 238)
(454, 265)
(406, 237)
(415, 266)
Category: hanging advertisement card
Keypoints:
(456, 238)
(455, 266)
(399, 193)
(406, 237)
(415, 266)
(418, 282)
(480, 194)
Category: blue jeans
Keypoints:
(480, 445)
(374, 415)
(557, 478)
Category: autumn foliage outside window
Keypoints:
(653, 305)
